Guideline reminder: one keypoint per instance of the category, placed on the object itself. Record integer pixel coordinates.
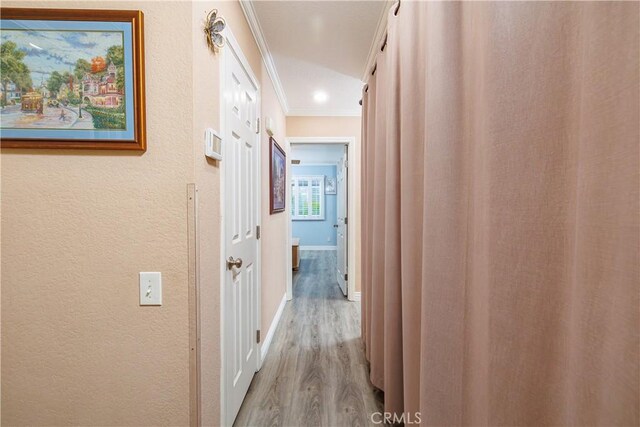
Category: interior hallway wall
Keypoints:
(77, 227)
(310, 126)
(274, 227)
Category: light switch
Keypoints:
(150, 288)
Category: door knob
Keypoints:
(237, 263)
(335, 225)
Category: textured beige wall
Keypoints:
(206, 113)
(77, 227)
(335, 126)
(274, 227)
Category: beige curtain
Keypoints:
(501, 242)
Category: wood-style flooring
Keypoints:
(315, 373)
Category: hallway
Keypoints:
(319, 213)
(315, 372)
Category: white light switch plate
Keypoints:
(150, 288)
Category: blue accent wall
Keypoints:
(316, 232)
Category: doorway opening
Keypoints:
(321, 200)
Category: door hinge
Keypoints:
(346, 277)
(258, 335)
(346, 220)
(346, 164)
(258, 125)
(258, 232)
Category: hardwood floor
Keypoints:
(315, 373)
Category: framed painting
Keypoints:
(72, 79)
(278, 177)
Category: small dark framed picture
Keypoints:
(72, 78)
(278, 177)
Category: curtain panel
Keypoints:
(500, 199)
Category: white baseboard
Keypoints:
(318, 248)
(264, 348)
(356, 296)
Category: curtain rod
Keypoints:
(384, 44)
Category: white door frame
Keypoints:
(354, 222)
(232, 43)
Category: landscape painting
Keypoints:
(69, 81)
(278, 177)
(62, 80)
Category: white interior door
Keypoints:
(342, 239)
(241, 216)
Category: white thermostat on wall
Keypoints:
(212, 144)
(269, 125)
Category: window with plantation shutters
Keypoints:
(307, 197)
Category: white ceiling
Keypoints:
(317, 46)
(317, 153)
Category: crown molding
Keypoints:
(381, 30)
(346, 112)
(258, 35)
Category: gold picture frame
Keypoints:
(103, 105)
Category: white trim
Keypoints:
(223, 249)
(261, 41)
(232, 43)
(348, 112)
(318, 248)
(356, 296)
(264, 346)
(321, 139)
(354, 222)
(316, 164)
(376, 42)
(288, 250)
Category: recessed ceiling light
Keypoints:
(320, 96)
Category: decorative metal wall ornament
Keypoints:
(213, 27)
